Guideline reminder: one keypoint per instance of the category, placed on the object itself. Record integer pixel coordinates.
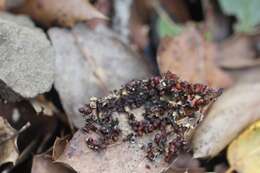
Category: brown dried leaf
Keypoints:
(238, 52)
(59, 147)
(8, 149)
(233, 111)
(2, 4)
(61, 12)
(118, 158)
(138, 32)
(106, 8)
(191, 57)
(108, 126)
(43, 164)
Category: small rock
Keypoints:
(26, 59)
(22, 20)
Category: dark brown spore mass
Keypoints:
(169, 104)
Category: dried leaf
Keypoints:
(2, 4)
(106, 8)
(43, 164)
(190, 56)
(232, 112)
(237, 52)
(119, 158)
(90, 63)
(61, 12)
(8, 149)
(166, 27)
(59, 147)
(138, 32)
(244, 152)
(139, 27)
(148, 111)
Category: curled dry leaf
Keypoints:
(233, 111)
(139, 128)
(106, 8)
(244, 152)
(59, 147)
(90, 63)
(8, 149)
(61, 12)
(44, 164)
(237, 52)
(190, 56)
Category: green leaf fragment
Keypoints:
(168, 28)
(246, 11)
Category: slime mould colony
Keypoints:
(172, 108)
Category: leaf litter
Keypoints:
(172, 108)
(91, 60)
(189, 55)
(63, 13)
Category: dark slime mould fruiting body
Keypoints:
(172, 108)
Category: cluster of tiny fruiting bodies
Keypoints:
(168, 103)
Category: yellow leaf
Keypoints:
(244, 152)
